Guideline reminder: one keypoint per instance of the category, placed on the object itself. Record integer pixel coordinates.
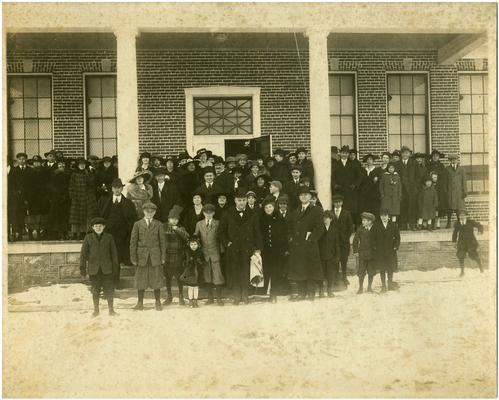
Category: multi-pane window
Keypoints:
(30, 114)
(101, 115)
(473, 130)
(407, 111)
(342, 109)
(223, 116)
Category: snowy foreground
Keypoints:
(434, 337)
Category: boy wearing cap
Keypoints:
(466, 243)
(99, 258)
(387, 243)
(208, 232)
(306, 228)
(119, 212)
(175, 240)
(50, 163)
(456, 188)
(148, 253)
(329, 248)
(18, 179)
(252, 201)
(164, 194)
(428, 203)
(240, 236)
(364, 244)
(342, 220)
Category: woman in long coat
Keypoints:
(306, 228)
(390, 191)
(193, 214)
(369, 197)
(38, 204)
(105, 174)
(275, 247)
(83, 202)
(456, 187)
(139, 191)
(59, 200)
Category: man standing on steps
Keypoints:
(119, 212)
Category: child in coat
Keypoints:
(428, 203)
(464, 235)
(147, 253)
(387, 244)
(435, 224)
(99, 258)
(175, 239)
(208, 232)
(364, 244)
(390, 190)
(194, 265)
(329, 249)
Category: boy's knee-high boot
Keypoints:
(181, 294)
(210, 294)
(95, 299)
(383, 281)
(361, 284)
(218, 289)
(370, 279)
(140, 300)
(110, 305)
(169, 296)
(157, 298)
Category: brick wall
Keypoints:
(67, 68)
(163, 76)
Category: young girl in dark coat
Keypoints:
(59, 201)
(193, 270)
(464, 235)
(428, 203)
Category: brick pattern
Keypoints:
(67, 69)
(163, 76)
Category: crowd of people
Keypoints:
(208, 221)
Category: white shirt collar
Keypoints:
(116, 198)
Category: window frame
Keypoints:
(482, 73)
(28, 74)
(86, 141)
(429, 143)
(217, 92)
(355, 104)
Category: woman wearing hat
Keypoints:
(369, 186)
(59, 201)
(144, 163)
(260, 187)
(105, 174)
(280, 168)
(193, 213)
(83, 203)
(188, 181)
(38, 202)
(305, 163)
(171, 171)
(139, 191)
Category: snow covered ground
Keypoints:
(434, 337)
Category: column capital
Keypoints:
(123, 32)
(316, 33)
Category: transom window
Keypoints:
(30, 114)
(100, 93)
(473, 130)
(223, 116)
(407, 111)
(342, 109)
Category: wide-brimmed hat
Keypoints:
(97, 221)
(49, 152)
(146, 174)
(208, 170)
(117, 183)
(175, 212)
(405, 148)
(370, 155)
(203, 151)
(396, 153)
(345, 149)
(367, 215)
(106, 159)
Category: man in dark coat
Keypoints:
(119, 212)
(346, 178)
(364, 244)
(329, 249)
(164, 194)
(51, 162)
(408, 203)
(19, 177)
(306, 227)
(435, 165)
(344, 224)
(387, 243)
(292, 187)
(280, 169)
(223, 178)
(240, 235)
(464, 235)
(209, 190)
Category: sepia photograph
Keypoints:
(249, 200)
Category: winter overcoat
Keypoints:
(82, 194)
(175, 242)
(465, 237)
(369, 196)
(37, 193)
(305, 232)
(210, 246)
(59, 200)
(456, 188)
(344, 226)
(345, 180)
(147, 241)
(441, 187)
(99, 253)
(387, 244)
(390, 191)
(139, 197)
(329, 243)
(165, 200)
(428, 203)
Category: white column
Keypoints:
(320, 139)
(126, 103)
